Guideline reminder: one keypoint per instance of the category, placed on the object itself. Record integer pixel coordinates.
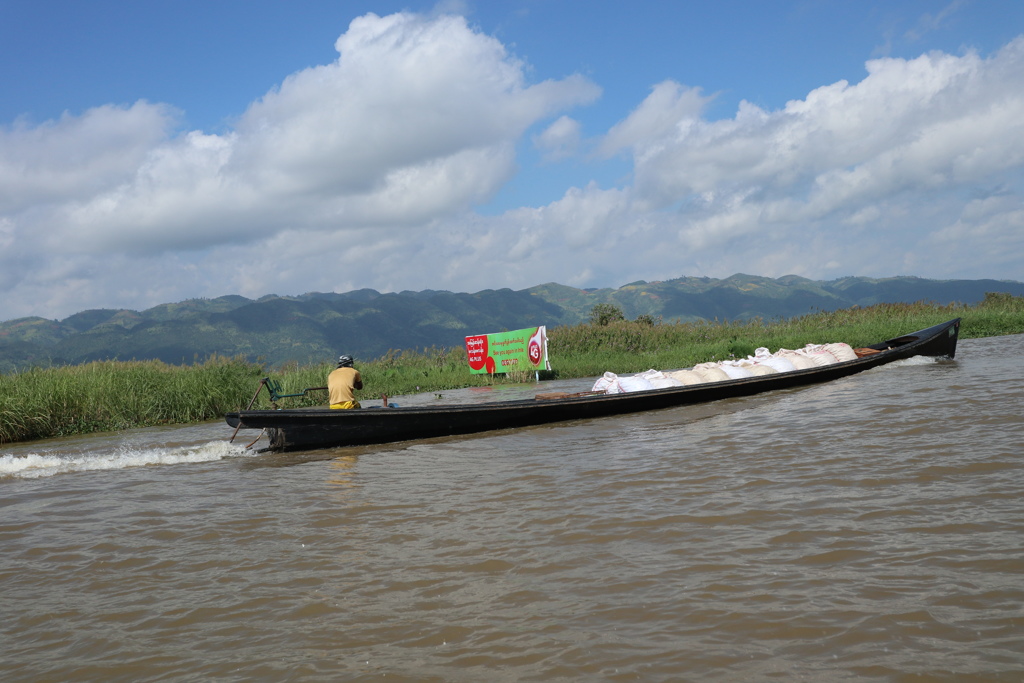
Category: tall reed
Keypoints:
(627, 347)
(113, 395)
(105, 396)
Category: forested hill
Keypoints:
(367, 324)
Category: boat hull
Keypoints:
(307, 429)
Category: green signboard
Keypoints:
(507, 351)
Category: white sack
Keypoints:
(686, 377)
(777, 363)
(660, 380)
(842, 352)
(823, 357)
(735, 371)
(634, 383)
(710, 372)
(608, 383)
(799, 360)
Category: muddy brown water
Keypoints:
(870, 529)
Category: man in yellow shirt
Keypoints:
(343, 382)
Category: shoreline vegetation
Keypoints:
(106, 396)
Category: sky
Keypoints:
(152, 152)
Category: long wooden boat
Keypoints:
(307, 429)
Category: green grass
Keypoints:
(629, 347)
(109, 396)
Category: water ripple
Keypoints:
(867, 529)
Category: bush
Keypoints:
(645, 319)
(605, 314)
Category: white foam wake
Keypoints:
(915, 360)
(46, 464)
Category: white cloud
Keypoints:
(73, 157)
(416, 120)
(994, 226)
(667, 112)
(871, 159)
(559, 140)
(365, 173)
(405, 96)
(932, 22)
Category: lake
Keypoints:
(869, 529)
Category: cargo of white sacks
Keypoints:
(762, 362)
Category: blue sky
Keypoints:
(157, 151)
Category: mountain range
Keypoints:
(318, 326)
